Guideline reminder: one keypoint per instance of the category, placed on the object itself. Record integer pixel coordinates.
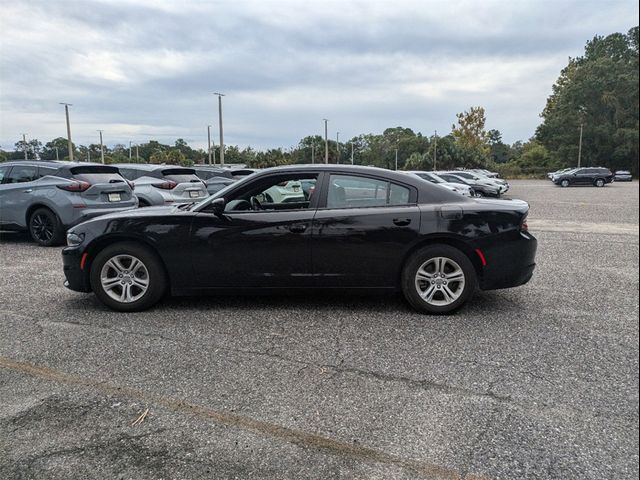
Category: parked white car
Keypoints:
(464, 190)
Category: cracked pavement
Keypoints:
(535, 382)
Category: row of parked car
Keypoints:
(48, 197)
(595, 176)
(470, 183)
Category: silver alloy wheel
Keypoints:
(564, 183)
(440, 281)
(478, 194)
(124, 278)
(600, 182)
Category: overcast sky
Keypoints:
(144, 70)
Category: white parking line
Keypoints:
(544, 225)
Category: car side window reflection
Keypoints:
(281, 193)
(347, 191)
(21, 174)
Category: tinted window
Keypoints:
(3, 172)
(130, 174)
(350, 191)
(44, 171)
(283, 192)
(22, 173)
(180, 175)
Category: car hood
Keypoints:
(159, 211)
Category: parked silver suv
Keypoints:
(163, 184)
(47, 198)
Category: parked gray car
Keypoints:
(163, 184)
(47, 198)
(214, 178)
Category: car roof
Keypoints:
(49, 163)
(149, 167)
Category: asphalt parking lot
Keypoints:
(535, 382)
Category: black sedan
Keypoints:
(360, 228)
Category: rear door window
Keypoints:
(347, 191)
(44, 171)
(3, 172)
(22, 173)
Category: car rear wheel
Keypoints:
(478, 194)
(564, 183)
(128, 277)
(599, 182)
(45, 227)
(438, 279)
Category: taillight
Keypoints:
(523, 224)
(75, 186)
(166, 185)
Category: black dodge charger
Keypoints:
(353, 228)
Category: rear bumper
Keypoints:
(85, 214)
(510, 263)
(77, 279)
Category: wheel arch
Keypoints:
(95, 247)
(452, 241)
(35, 206)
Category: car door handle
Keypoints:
(28, 190)
(298, 228)
(402, 222)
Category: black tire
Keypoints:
(599, 182)
(143, 203)
(45, 228)
(565, 183)
(478, 194)
(424, 255)
(155, 276)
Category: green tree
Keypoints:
(472, 138)
(600, 91)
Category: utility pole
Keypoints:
(24, 142)
(220, 95)
(326, 142)
(580, 146)
(88, 154)
(57, 156)
(70, 145)
(435, 150)
(396, 158)
(313, 153)
(137, 156)
(101, 148)
(129, 150)
(214, 155)
(351, 153)
(337, 147)
(209, 142)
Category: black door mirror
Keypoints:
(217, 205)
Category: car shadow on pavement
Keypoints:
(7, 236)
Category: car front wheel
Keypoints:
(128, 277)
(599, 182)
(564, 183)
(438, 279)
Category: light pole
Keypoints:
(220, 95)
(313, 153)
(435, 150)
(580, 146)
(209, 142)
(70, 145)
(137, 155)
(101, 148)
(129, 150)
(57, 156)
(396, 158)
(351, 153)
(24, 142)
(337, 147)
(326, 142)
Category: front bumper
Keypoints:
(510, 261)
(77, 278)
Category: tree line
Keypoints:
(596, 93)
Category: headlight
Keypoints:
(74, 239)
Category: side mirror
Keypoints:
(217, 205)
